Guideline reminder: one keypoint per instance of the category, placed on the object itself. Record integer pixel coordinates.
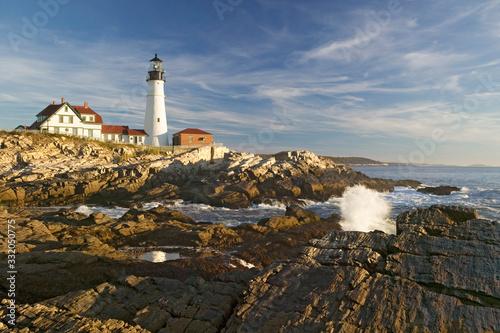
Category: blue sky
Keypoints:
(394, 80)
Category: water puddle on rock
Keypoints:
(159, 254)
(167, 253)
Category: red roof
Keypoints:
(84, 110)
(112, 129)
(193, 131)
(124, 130)
(137, 132)
(52, 108)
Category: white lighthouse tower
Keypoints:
(155, 122)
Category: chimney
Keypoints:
(86, 105)
(54, 103)
(62, 100)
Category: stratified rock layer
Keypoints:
(440, 273)
(415, 281)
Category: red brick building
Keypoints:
(191, 137)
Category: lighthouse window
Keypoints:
(158, 119)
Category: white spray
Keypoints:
(365, 210)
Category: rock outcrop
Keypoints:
(44, 171)
(439, 273)
(62, 251)
(140, 305)
(417, 280)
(439, 190)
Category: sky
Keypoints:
(393, 80)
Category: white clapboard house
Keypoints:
(83, 121)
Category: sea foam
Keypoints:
(365, 210)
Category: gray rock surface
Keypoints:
(373, 282)
(439, 190)
(139, 305)
(439, 273)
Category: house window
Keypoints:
(56, 129)
(70, 119)
(190, 139)
(75, 131)
(91, 118)
(91, 133)
(112, 137)
(61, 119)
(83, 117)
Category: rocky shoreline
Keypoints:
(290, 273)
(439, 272)
(40, 170)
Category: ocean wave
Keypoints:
(274, 204)
(486, 201)
(114, 212)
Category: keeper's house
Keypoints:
(192, 137)
(67, 119)
(83, 121)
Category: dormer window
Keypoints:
(83, 117)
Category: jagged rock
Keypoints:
(310, 186)
(159, 214)
(406, 183)
(97, 218)
(28, 235)
(245, 187)
(438, 273)
(439, 190)
(59, 171)
(436, 220)
(141, 305)
(232, 199)
(279, 222)
(355, 281)
(334, 218)
(303, 215)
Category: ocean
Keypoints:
(480, 189)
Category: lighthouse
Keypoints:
(155, 121)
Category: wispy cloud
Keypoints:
(313, 59)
